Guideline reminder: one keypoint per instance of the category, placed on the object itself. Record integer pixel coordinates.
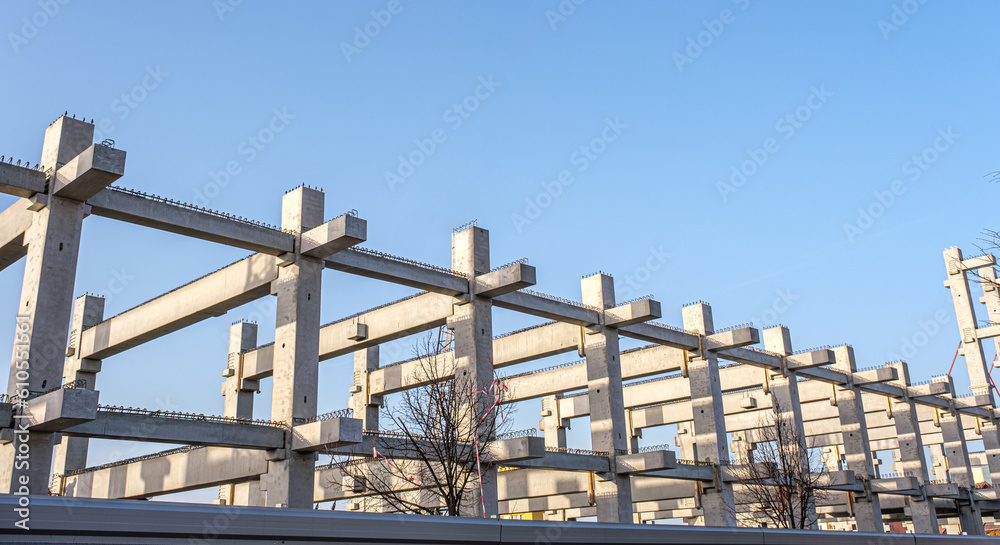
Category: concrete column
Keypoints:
(960, 469)
(965, 313)
(88, 310)
(472, 324)
(911, 455)
(858, 456)
(991, 444)
(45, 309)
(289, 481)
(785, 389)
(362, 403)
(608, 430)
(939, 463)
(238, 393)
(709, 417)
(553, 427)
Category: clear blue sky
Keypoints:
(184, 86)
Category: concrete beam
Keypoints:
(369, 264)
(633, 313)
(508, 279)
(14, 222)
(60, 409)
(334, 236)
(186, 431)
(21, 181)
(89, 172)
(326, 434)
(177, 471)
(209, 296)
(182, 220)
(548, 308)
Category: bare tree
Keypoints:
(436, 447)
(778, 478)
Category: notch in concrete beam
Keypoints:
(734, 338)
(333, 236)
(324, 434)
(505, 280)
(633, 313)
(88, 173)
(21, 181)
(805, 360)
(873, 376)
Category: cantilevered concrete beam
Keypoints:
(326, 434)
(505, 280)
(21, 181)
(632, 313)
(209, 296)
(89, 173)
(60, 409)
(334, 236)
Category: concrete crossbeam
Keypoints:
(14, 222)
(633, 313)
(736, 338)
(21, 181)
(89, 172)
(166, 429)
(643, 462)
(326, 434)
(506, 280)
(334, 236)
(60, 409)
(209, 296)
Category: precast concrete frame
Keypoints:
(52, 409)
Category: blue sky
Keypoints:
(599, 136)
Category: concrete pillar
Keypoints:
(45, 309)
(960, 468)
(965, 313)
(939, 463)
(472, 325)
(911, 455)
(88, 310)
(866, 506)
(238, 394)
(608, 430)
(553, 427)
(365, 406)
(785, 389)
(289, 481)
(709, 417)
